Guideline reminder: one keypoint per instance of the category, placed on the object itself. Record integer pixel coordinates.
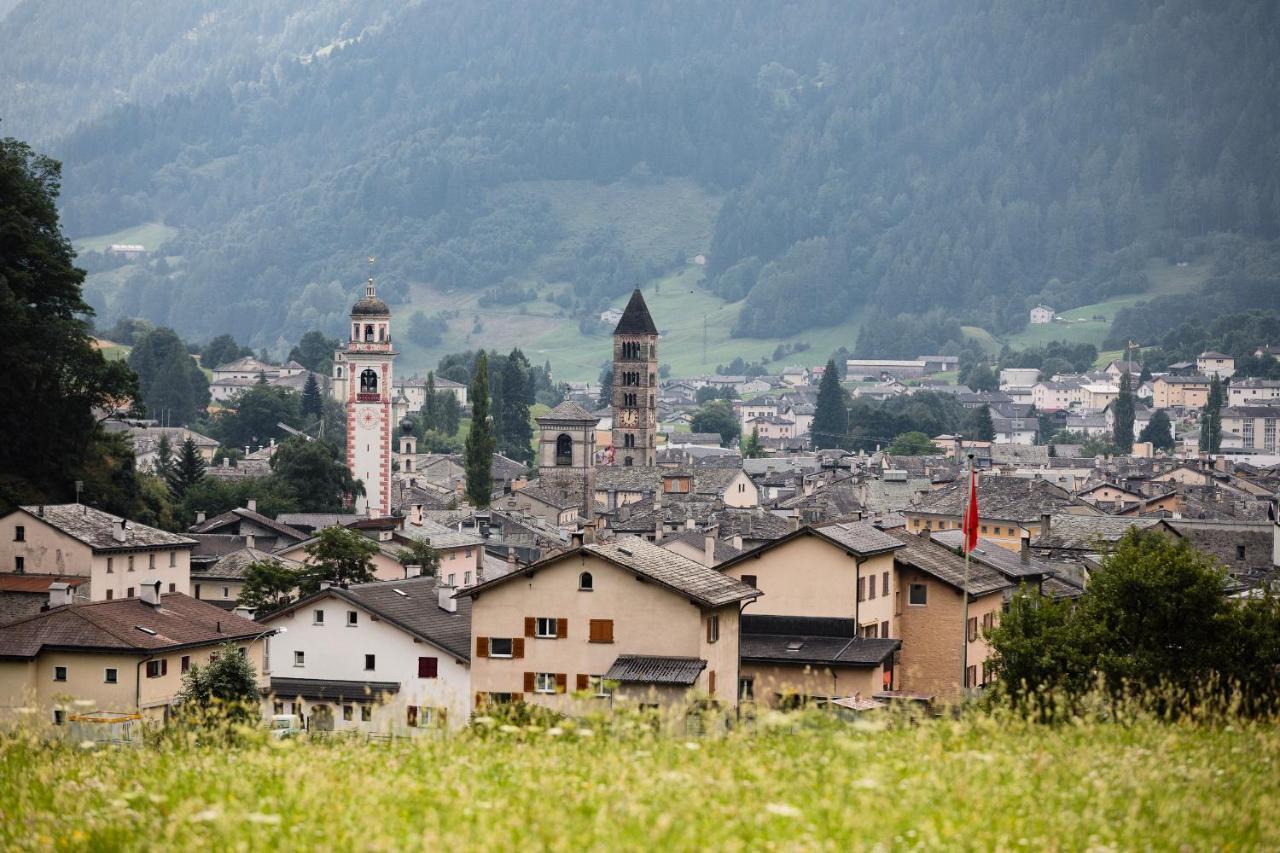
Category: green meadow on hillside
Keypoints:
(796, 782)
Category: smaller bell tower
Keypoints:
(567, 454)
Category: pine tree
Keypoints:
(1211, 419)
(981, 425)
(1122, 432)
(188, 469)
(515, 431)
(831, 416)
(1158, 431)
(751, 447)
(312, 404)
(430, 405)
(164, 458)
(480, 442)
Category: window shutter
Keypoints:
(708, 629)
(562, 682)
(482, 647)
(583, 682)
(528, 682)
(517, 647)
(711, 682)
(530, 624)
(861, 589)
(411, 716)
(428, 667)
(164, 667)
(479, 700)
(562, 627)
(608, 630)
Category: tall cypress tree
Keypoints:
(1122, 432)
(430, 406)
(831, 416)
(515, 431)
(480, 443)
(1211, 419)
(164, 458)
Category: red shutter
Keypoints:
(608, 630)
(528, 682)
(517, 647)
(529, 626)
(482, 647)
(562, 682)
(584, 682)
(562, 627)
(428, 667)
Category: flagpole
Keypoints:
(964, 592)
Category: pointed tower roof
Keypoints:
(635, 319)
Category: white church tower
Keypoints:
(366, 361)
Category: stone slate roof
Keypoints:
(707, 587)
(629, 478)
(568, 411)
(989, 553)
(439, 536)
(1083, 532)
(751, 524)
(1012, 498)
(235, 516)
(316, 520)
(809, 640)
(232, 566)
(635, 318)
(118, 626)
(860, 536)
(654, 669)
(334, 691)
(1220, 540)
(93, 527)
(934, 558)
(698, 539)
(410, 604)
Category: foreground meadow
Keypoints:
(794, 783)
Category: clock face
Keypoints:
(628, 417)
(368, 419)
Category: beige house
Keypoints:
(1180, 392)
(623, 621)
(125, 657)
(1256, 426)
(117, 555)
(1217, 364)
(1009, 508)
(386, 560)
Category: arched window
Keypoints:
(564, 449)
(382, 333)
(368, 332)
(339, 372)
(585, 582)
(627, 463)
(355, 331)
(368, 382)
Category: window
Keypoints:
(970, 676)
(988, 621)
(973, 628)
(173, 559)
(353, 618)
(128, 593)
(884, 630)
(500, 647)
(918, 594)
(428, 667)
(277, 708)
(111, 593)
(151, 561)
(226, 592)
(111, 676)
(110, 565)
(197, 590)
(750, 580)
(564, 450)
(585, 582)
(884, 584)
(299, 658)
(545, 627)
(544, 682)
(157, 668)
(600, 631)
(59, 716)
(20, 533)
(295, 708)
(467, 553)
(984, 528)
(1239, 552)
(713, 627)
(130, 562)
(466, 578)
(185, 663)
(996, 531)
(19, 565)
(451, 575)
(366, 713)
(348, 713)
(747, 689)
(173, 587)
(369, 661)
(59, 673)
(318, 617)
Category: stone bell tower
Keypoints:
(635, 385)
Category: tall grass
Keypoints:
(794, 782)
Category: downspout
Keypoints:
(857, 578)
(137, 693)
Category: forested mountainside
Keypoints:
(977, 157)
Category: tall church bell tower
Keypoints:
(635, 385)
(367, 358)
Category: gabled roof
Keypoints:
(721, 550)
(1012, 498)
(1084, 533)
(234, 516)
(858, 537)
(126, 625)
(410, 604)
(1006, 562)
(809, 640)
(95, 528)
(635, 318)
(568, 411)
(333, 691)
(655, 669)
(707, 587)
(232, 566)
(939, 561)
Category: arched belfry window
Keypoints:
(585, 582)
(368, 332)
(564, 449)
(368, 382)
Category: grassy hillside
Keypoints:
(797, 783)
(153, 235)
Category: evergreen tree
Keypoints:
(227, 681)
(188, 469)
(222, 350)
(314, 352)
(430, 406)
(480, 441)
(751, 446)
(606, 386)
(420, 553)
(1211, 419)
(164, 458)
(312, 472)
(515, 432)
(1122, 412)
(1158, 431)
(831, 416)
(268, 585)
(980, 424)
(312, 402)
(450, 413)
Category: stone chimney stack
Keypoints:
(250, 541)
(117, 529)
(413, 571)
(444, 597)
(1024, 551)
(709, 550)
(200, 517)
(1046, 521)
(150, 593)
(61, 594)
(251, 505)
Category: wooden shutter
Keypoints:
(164, 667)
(584, 682)
(528, 682)
(562, 627)
(530, 626)
(607, 630)
(711, 682)
(411, 713)
(862, 589)
(479, 700)
(601, 630)
(517, 647)
(482, 647)
(562, 682)
(428, 667)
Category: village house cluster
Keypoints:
(637, 563)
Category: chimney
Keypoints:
(511, 558)
(250, 540)
(200, 517)
(416, 514)
(575, 539)
(117, 529)
(60, 594)
(1045, 524)
(40, 511)
(251, 505)
(589, 532)
(445, 598)
(795, 522)
(737, 541)
(1024, 552)
(326, 584)
(150, 593)
(926, 534)
(412, 570)
(709, 551)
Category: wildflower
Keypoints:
(258, 817)
(782, 810)
(87, 744)
(206, 816)
(555, 731)
(508, 728)
(691, 745)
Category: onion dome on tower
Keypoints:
(370, 305)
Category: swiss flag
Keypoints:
(971, 515)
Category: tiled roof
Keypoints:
(232, 566)
(36, 583)
(324, 688)
(411, 604)
(568, 411)
(698, 539)
(860, 536)
(810, 640)
(989, 553)
(934, 558)
(94, 528)
(118, 626)
(439, 536)
(652, 669)
(1083, 532)
(629, 478)
(1012, 498)
(317, 520)
(234, 516)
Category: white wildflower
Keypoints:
(782, 810)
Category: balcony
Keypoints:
(368, 397)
